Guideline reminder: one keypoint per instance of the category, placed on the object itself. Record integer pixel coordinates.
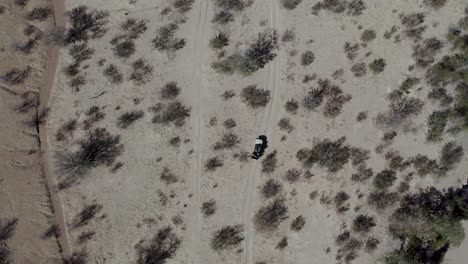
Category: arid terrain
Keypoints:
(128, 128)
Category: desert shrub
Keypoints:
(424, 53)
(335, 6)
(307, 58)
(409, 83)
(359, 69)
(87, 214)
(396, 161)
(298, 223)
(363, 173)
(447, 70)
(85, 24)
(450, 155)
(358, 155)
(141, 72)
(271, 188)
(228, 94)
(285, 124)
(170, 90)
(351, 50)
(382, 199)
(288, 35)
(378, 65)
(160, 248)
(435, 3)
(208, 208)
(290, 4)
(272, 215)
(292, 175)
(372, 243)
(127, 119)
(228, 141)
(361, 116)
(52, 231)
(56, 36)
(227, 237)
(94, 115)
(183, 5)
(291, 106)
(270, 162)
(313, 99)
(260, 52)
(78, 257)
(331, 154)
(219, 41)
(343, 237)
(223, 17)
(29, 101)
(29, 45)
(213, 163)
(174, 141)
(356, 7)
(113, 74)
(166, 40)
(124, 49)
(21, 3)
(424, 165)
(340, 201)
(85, 237)
(17, 76)
(229, 123)
(72, 69)
(282, 243)
(230, 4)
(384, 179)
(413, 23)
(440, 95)
(363, 223)
(39, 13)
(368, 35)
(134, 27)
(168, 176)
(7, 229)
(401, 109)
(174, 112)
(255, 97)
(2, 10)
(334, 104)
(98, 148)
(77, 82)
(436, 125)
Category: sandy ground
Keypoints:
(131, 196)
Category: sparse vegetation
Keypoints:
(307, 58)
(141, 72)
(87, 214)
(436, 125)
(213, 163)
(359, 69)
(160, 248)
(363, 223)
(436, 4)
(219, 41)
(272, 215)
(229, 123)
(113, 74)
(384, 179)
(255, 97)
(223, 17)
(382, 199)
(291, 106)
(16, 76)
(401, 109)
(271, 188)
(285, 124)
(85, 24)
(170, 90)
(450, 156)
(227, 237)
(208, 208)
(168, 177)
(173, 112)
(166, 40)
(269, 163)
(290, 4)
(298, 223)
(378, 65)
(127, 119)
(292, 175)
(39, 13)
(330, 154)
(368, 35)
(228, 141)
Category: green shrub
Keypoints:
(378, 65)
(384, 179)
(330, 154)
(436, 125)
(220, 41)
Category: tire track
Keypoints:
(272, 83)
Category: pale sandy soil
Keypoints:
(130, 197)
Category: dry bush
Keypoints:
(166, 40)
(436, 123)
(87, 214)
(174, 141)
(425, 53)
(183, 5)
(127, 119)
(135, 28)
(290, 4)
(368, 35)
(285, 124)
(16, 76)
(288, 35)
(359, 69)
(255, 97)
(292, 175)
(362, 116)
(409, 83)
(441, 95)
(298, 223)
(94, 115)
(160, 248)
(334, 105)
(401, 109)
(382, 199)
(56, 36)
(343, 237)
(39, 13)
(271, 188)
(7, 229)
(307, 58)
(359, 156)
(98, 148)
(425, 165)
(141, 72)
(208, 208)
(124, 49)
(372, 243)
(260, 52)
(270, 162)
(28, 46)
(272, 215)
(77, 82)
(52, 231)
(79, 257)
(396, 161)
(72, 69)
(363, 223)
(228, 94)
(384, 179)
(413, 23)
(213, 163)
(356, 7)
(85, 237)
(168, 177)
(229, 123)
(236, 5)
(113, 74)
(227, 237)
(334, 6)
(291, 106)
(29, 101)
(219, 41)
(313, 99)
(351, 50)
(331, 154)
(223, 17)
(228, 141)
(21, 3)
(170, 90)
(85, 24)
(378, 65)
(340, 201)
(436, 4)
(282, 243)
(2, 10)
(450, 155)
(174, 112)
